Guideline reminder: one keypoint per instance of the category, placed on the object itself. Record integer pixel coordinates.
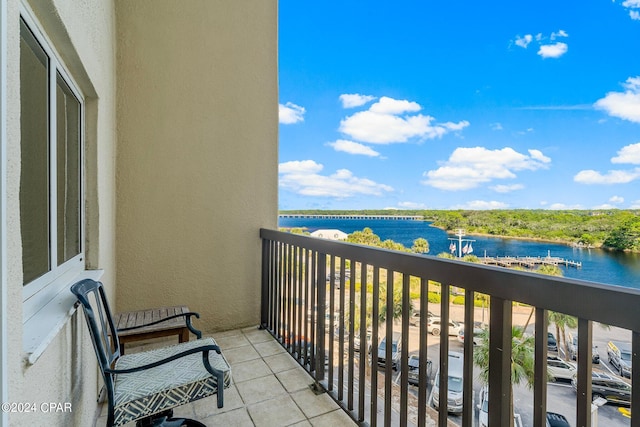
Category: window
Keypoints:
(51, 188)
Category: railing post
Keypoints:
(467, 382)
(443, 380)
(321, 288)
(635, 375)
(583, 416)
(540, 368)
(500, 341)
(264, 291)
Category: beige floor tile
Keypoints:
(257, 390)
(209, 406)
(221, 334)
(256, 335)
(229, 342)
(236, 418)
(304, 423)
(281, 362)
(280, 411)
(313, 404)
(240, 354)
(269, 348)
(332, 419)
(250, 369)
(295, 379)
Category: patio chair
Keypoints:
(146, 386)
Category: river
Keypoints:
(614, 268)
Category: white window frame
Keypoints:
(47, 301)
(4, 381)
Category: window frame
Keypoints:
(44, 289)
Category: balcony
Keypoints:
(316, 293)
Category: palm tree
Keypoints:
(420, 246)
(522, 359)
(562, 321)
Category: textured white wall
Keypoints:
(197, 154)
(83, 34)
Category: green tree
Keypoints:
(364, 237)
(625, 237)
(562, 321)
(522, 359)
(420, 246)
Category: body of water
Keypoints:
(622, 269)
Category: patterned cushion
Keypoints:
(176, 383)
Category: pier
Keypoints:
(392, 217)
(528, 261)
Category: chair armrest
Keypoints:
(187, 317)
(205, 349)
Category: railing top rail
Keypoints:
(608, 304)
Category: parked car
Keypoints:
(573, 349)
(414, 369)
(610, 388)
(477, 335)
(552, 344)
(434, 326)
(619, 354)
(454, 392)
(356, 341)
(557, 420)
(415, 317)
(396, 344)
(483, 409)
(558, 369)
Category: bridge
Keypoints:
(393, 217)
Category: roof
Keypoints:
(332, 234)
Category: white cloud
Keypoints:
(481, 205)
(560, 33)
(635, 205)
(628, 154)
(546, 49)
(611, 177)
(555, 50)
(388, 105)
(524, 41)
(303, 177)
(604, 206)
(632, 4)
(616, 199)
(411, 205)
(353, 148)
(299, 166)
(563, 207)
(383, 123)
(467, 168)
(496, 126)
(290, 113)
(351, 100)
(506, 188)
(625, 105)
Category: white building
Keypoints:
(331, 234)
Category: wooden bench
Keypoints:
(155, 323)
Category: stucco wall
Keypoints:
(197, 154)
(82, 32)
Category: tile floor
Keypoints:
(270, 389)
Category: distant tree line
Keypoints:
(612, 229)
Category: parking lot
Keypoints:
(561, 395)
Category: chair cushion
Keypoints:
(176, 383)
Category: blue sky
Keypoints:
(417, 104)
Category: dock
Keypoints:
(528, 261)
